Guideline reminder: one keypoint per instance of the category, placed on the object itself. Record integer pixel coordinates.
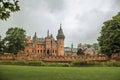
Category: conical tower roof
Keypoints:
(35, 37)
(60, 34)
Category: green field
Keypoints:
(12, 72)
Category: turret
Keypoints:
(48, 44)
(48, 34)
(72, 47)
(28, 39)
(35, 37)
(60, 34)
(60, 42)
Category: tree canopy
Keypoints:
(8, 6)
(15, 40)
(95, 46)
(109, 41)
(80, 52)
(1, 46)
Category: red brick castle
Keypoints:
(46, 46)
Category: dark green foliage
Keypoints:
(96, 64)
(34, 63)
(89, 46)
(15, 40)
(73, 64)
(8, 6)
(1, 46)
(79, 63)
(80, 52)
(109, 41)
(96, 46)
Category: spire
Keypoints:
(35, 34)
(35, 37)
(60, 26)
(72, 45)
(51, 36)
(48, 33)
(60, 33)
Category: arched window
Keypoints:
(55, 51)
(32, 50)
(27, 51)
(44, 51)
(48, 51)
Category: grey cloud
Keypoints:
(90, 23)
(117, 3)
(40, 15)
(55, 5)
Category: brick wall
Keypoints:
(52, 58)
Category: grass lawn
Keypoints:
(12, 72)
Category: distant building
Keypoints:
(87, 50)
(70, 51)
(46, 46)
(90, 51)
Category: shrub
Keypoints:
(80, 63)
(55, 64)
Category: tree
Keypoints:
(95, 46)
(15, 40)
(80, 52)
(1, 46)
(109, 41)
(88, 45)
(8, 6)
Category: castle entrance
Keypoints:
(48, 52)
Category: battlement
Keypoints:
(28, 57)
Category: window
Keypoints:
(55, 51)
(32, 50)
(27, 51)
(44, 51)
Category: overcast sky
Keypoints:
(81, 19)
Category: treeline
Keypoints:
(14, 41)
(72, 64)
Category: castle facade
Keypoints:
(46, 46)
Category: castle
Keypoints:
(46, 46)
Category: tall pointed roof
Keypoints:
(51, 36)
(48, 33)
(60, 34)
(35, 37)
(72, 45)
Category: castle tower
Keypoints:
(28, 39)
(71, 48)
(35, 37)
(48, 44)
(60, 42)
